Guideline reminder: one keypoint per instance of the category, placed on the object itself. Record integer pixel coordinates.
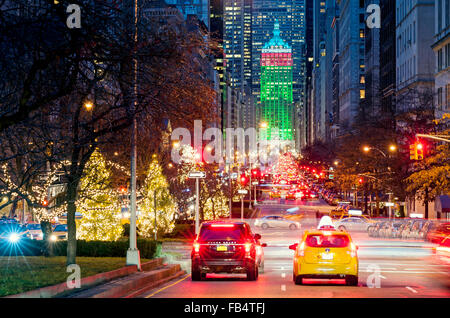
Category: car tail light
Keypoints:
(258, 250)
(301, 249)
(248, 246)
(196, 247)
(352, 250)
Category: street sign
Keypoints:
(389, 204)
(242, 191)
(197, 174)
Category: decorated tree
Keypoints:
(98, 203)
(156, 201)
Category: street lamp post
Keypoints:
(133, 256)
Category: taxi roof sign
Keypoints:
(325, 223)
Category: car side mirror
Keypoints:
(264, 245)
(257, 236)
(293, 246)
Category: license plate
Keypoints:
(222, 248)
(327, 256)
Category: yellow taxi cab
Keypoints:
(325, 253)
(338, 213)
(275, 194)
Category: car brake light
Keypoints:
(248, 246)
(196, 247)
(353, 250)
(258, 250)
(301, 249)
(222, 225)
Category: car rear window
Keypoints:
(320, 240)
(211, 233)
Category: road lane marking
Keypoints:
(160, 290)
(412, 289)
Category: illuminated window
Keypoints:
(362, 93)
(363, 80)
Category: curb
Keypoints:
(155, 284)
(87, 282)
(131, 284)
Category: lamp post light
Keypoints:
(392, 148)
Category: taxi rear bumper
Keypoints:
(325, 270)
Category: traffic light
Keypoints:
(412, 152)
(419, 151)
(256, 174)
(361, 180)
(45, 202)
(243, 180)
(416, 151)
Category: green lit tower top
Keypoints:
(276, 88)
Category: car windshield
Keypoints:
(211, 233)
(60, 228)
(320, 240)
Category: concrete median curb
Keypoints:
(133, 284)
(62, 289)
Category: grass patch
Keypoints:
(23, 273)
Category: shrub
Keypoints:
(147, 248)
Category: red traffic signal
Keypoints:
(256, 173)
(361, 180)
(243, 180)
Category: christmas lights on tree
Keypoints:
(155, 185)
(98, 203)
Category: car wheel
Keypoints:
(196, 274)
(261, 267)
(351, 280)
(252, 272)
(298, 280)
(292, 227)
(342, 228)
(264, 226)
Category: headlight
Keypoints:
(14, 237)
(53, 237)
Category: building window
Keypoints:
(362, 80)
(439, 60)
(447, 96)
(362, 94)
(439, 98)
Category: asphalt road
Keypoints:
(387, 269)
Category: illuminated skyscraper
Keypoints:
(276, 88)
